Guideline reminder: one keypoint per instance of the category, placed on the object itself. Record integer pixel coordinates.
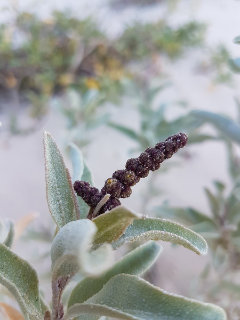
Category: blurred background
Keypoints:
(114, 77)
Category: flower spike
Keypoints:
(119, 185)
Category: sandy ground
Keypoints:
(22, 186)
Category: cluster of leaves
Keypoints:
(125, 3)
(155, 123)
(64, 51)
(84, 247)
(141, 40)
(222, 65)
(81, 113)
(43, 60)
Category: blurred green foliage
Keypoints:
(143, 40)
(40, 58)
(222, 227)
(155, 123)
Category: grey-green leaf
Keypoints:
(187, 215)
(71, 250)
(136, 262)
(62, 201)
(112, 224)
(130, 298)
(227, 126)
(21, 280)
(134, 135)
(213, 203)
(165, 230)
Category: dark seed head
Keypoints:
(157, 157)
(141, 171)
(126, 177)
(96, 199)
(160, 146)
(82, 188)
(183, 139)
(145, 159)
(89, 194)
(118, 174)
(132, 164)
(113, 187)
(110, 204)
(126, 192)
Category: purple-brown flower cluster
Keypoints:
(119, 185)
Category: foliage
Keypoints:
(84, 248)
(140, 40)
(222, 227)
(155, 122)
(220, 61)
(64, 53)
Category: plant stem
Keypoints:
(57, 289)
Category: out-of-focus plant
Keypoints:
(41, 58)
(44, 59)
(145, 40)
(157, 120)
(82, 112)
(125, 3)
(222, 227)
(84, 247)
(220, 63)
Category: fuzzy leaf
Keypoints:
(6, 233)
(9, 312)
(21, 280)
(80, 172)
(112, 224)
(71, 253)
(62, 201)
(136, 262)
(227, 126)
(130, 298)
(165, 230)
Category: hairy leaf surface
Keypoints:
(71, 250)
(112, 224)
(21, 280)
(165, 230)
(136, 262)
(130, 298)
(62, 201)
